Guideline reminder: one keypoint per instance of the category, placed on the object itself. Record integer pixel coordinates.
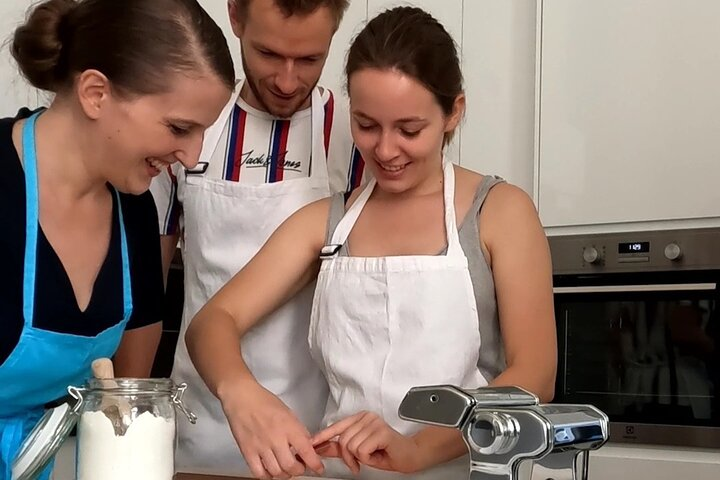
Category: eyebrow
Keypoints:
(184, 121)
(259, 46)
(400, 120)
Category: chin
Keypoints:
(134, 187)
(390, 183)
(285, 111)
(393, 186)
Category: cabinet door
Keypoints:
(629, 111)
(333, 75)
(499, 58)
(15, 92)
(450, 14)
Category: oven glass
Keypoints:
(641, 356)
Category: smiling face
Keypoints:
(282, 56)
(399, 127)
(144, 134)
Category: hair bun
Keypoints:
(37, 44)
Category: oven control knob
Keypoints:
(673, 252)
(591, 255)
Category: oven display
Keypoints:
(633, 247)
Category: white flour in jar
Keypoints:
(145, 452)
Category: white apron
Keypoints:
(382, 325)
(225, 224)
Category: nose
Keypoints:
(287, 81)
(386, 148)
(189, 153)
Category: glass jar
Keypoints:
(126, 428)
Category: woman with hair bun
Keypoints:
(430, 274)
(136, 83)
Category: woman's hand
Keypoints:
(366, 439)
(273, 441)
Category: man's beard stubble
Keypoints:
(251, 82)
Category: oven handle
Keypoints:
(665, 287)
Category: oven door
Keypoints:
(645, 352)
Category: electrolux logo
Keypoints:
(629, 432)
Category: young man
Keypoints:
(276, 147)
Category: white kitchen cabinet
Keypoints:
(450, 14)
(629, 111)
(15, 92)
(499, 67)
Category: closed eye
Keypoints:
(178, 131)
(268, 54)
(410, 133)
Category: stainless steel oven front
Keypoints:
(638, 325)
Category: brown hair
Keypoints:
(135, 43)
(298, 7)
(410, 40)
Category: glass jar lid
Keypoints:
(45, 439)
(140, 387)
(131, 386)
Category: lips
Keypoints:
(392, 168)
(156, 166)
(284, 98)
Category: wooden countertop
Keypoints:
(197, 476)
(192, 476)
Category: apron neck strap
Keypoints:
(318, 157)
(32, 222)
(451, 229)
(31, 216)
(214, 132)
(346, 224)
(343, 229)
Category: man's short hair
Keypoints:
(298, 7)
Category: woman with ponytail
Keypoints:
(135, 84)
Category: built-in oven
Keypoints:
(639, 332)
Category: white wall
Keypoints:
(14, 91)
(219, 12)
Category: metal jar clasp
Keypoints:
(177, 401)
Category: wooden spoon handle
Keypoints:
(103, 368)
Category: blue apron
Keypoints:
(45, 363)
